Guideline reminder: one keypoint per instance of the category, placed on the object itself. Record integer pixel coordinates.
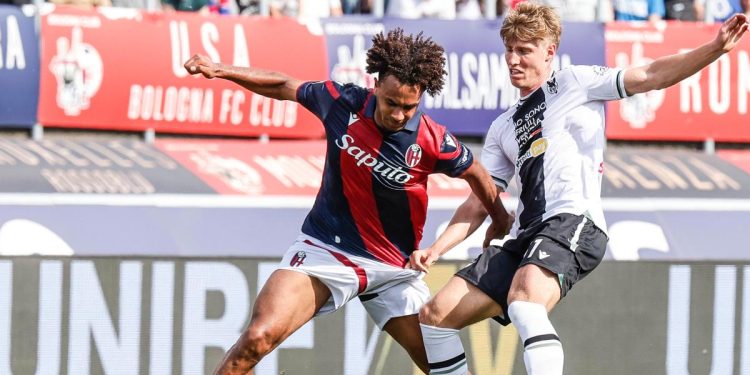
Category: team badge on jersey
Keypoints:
(298, 259)
(552, 85)
(413, 155)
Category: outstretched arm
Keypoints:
(485, 190)
(272, 84)
(668, 70)
(467, 218)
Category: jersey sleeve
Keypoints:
(501, 168)
(319, 97)
(453, 156)
(600, 82)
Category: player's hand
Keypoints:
(732, 31)
(203, 65)
(421, 260)
(498, 229)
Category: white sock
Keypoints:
(445, 353)
(543, 352)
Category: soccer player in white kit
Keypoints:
(553, 142)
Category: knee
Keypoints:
(257, 341)
(429, 314)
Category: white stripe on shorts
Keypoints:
(577, 235)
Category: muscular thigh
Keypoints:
(459, 304)
(287, 301)
(491, 275)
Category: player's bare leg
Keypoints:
(457, 305)
(288, 300)
(405, 330)
(533, 293)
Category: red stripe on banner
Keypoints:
(332, 89)
(357, 184)
(361, 274)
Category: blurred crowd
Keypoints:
(570, 10)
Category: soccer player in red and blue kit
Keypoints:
(370, 211)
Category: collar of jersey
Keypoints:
(411, 125)
(520, 100)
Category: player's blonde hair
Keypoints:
(530, 22)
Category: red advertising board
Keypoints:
(740, 158)
(122, 69)
(711, 104)
(276, 168)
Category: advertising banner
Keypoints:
(93, 166)
(477, 88)
(123, 69)
(740, 158)
(187, 197)
(647, 173)
(713, 103)
(19, 68)
(206, 226)
(178, 316)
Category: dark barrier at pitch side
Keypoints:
(168, 315)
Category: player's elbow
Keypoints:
(639, 81)
(473, 207)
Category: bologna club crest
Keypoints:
(413, 155)
(298, 259)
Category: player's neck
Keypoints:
(383, 129)
(525, 92)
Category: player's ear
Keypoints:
(551, 51)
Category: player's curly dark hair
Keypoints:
(413, 60)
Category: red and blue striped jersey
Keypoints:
(373, 197)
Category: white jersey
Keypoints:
(553, 142)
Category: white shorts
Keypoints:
(385, 291)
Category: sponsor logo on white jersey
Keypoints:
(600, 70)
(537, 148)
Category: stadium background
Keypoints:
(142, 209)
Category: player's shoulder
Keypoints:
(440, 137)
(575, 78)
(501, 122)
(351, 90)
(428, 121)
(585, 72)
(351, 95)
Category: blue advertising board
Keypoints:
(216, 226)
(477, 88)
(19, 68)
